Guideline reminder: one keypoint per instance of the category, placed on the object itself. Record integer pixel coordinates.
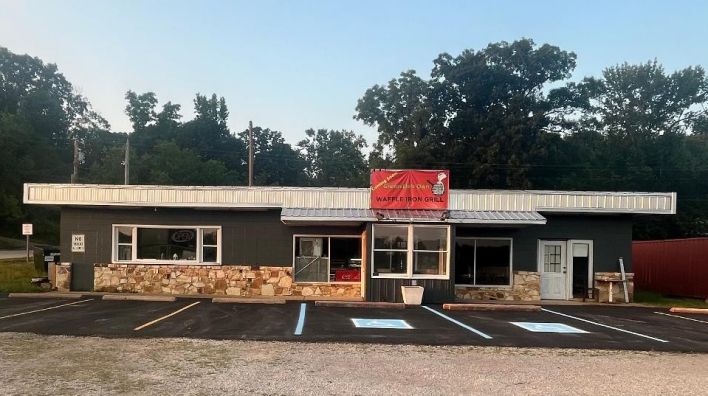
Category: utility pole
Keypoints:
(75, 171)
(126, 161)
(250, 153)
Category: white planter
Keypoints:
(412, 295)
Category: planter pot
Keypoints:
(412, 295)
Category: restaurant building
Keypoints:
(355, 244)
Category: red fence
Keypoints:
(675, 267)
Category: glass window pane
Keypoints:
(345, 260)
(311, 269)
(167, 244)
(209, 254)
(209, 236)
(388, 237)
(429, 263)
(125, 252)
(125, 234)
(387, 262)
(493, 262)
(430, 238)
(464, 261)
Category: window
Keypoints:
(327, 258)
(410, 251)
(125, 243)
(173, 244)
(483, 261)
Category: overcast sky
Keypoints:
(293, 65)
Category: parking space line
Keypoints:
(44, 309)
(301, 319)
(166, 316)
(457, 322)
(682, 317)
(603, 325)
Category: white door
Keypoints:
(553, 269)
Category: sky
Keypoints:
(291, 65)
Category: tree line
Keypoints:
(504, 116)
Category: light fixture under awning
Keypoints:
(352, 215)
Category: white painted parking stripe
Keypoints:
(682, 317)
(165, 317)
(603, 325)
(43, 309)
(301, 319)
(457, 322)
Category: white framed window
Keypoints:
(483, 261)
(326, 258)
(410, 251)
(163, 244)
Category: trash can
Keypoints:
(412, 295)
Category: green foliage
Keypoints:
(16, 276)
(335, 158)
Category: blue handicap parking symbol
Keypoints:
(382, 323)
(548, 327)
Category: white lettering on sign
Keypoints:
(27, 229)
(77, 243)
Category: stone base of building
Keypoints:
(62, 277)
(606, 281)
(226, 280)
(526, 286)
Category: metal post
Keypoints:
(28, 248)
(126, 161)
(250, 153)
(75, 171)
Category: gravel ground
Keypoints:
(35, 364)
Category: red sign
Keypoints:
(347, 275)
(410, 189)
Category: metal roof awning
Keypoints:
(334, 215)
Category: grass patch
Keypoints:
(16, 276)
(653, 298)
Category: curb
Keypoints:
(492, 307)
(128, 297)
(689, 310)
(70, 296)
(236, 300)
(360, 304)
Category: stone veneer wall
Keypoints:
(62, 279)
(602, 284)
(526, 286)
(229, 280)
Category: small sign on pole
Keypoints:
(27, 231)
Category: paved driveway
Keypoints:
(593, 327)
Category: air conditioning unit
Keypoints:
(311, 247)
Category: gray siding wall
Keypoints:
(248, 237)
(611, 236)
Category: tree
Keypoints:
(275, 162)
(141, 109)
(334, 158)
(482, 114)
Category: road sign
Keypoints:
(27, 229)
(382, 323)
(538, 327)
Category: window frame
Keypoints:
(134, 245)
(410, 252)
(329, 257)
(474, 267)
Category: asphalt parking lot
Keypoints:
(587, 327)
